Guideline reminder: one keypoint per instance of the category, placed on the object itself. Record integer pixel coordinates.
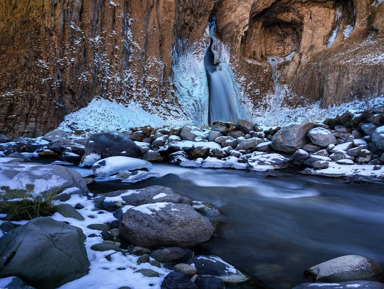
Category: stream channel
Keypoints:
(275, 225)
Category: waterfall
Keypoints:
(223, 97)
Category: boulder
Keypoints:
(321, 137)
(236, 134)
(223, 127)
(378, 137)
(111, 144)
(31, 180)
(215, 266)
(268, 161)
(299, 157)
(70, 157)
(17, 283)
(291, 138)
(245, 126)
(249, 143)
(212, 135)
(44, 252)
(343, 285)
(149, 195)
(55, 135)
(345, 268)
(113, 165)
(153, 157)
(177, 280)
(165, 224)
(187, 133)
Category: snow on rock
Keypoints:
(214, 163)
(149, 209)
(34, 179)
(105, 115)
(264, 162)
(112, 165)
(347, 170)
(233, 163)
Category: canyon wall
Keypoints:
(57, 55)
(296, 52)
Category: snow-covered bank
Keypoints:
(104, 115)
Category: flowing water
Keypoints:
(277, 225)
(222, 93)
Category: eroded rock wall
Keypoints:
(55, 56)
(305, 51)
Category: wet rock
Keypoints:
(199, 152)
(17, 283)
(321, 137)
(378, 137)
(229, 142)
(346, 268)
(143, 259)
(354, 152)
(172, 254)
(186, 269)
(217, 153)
(177, 280)
(291, 138)
(318, 162)
(215, 266)
(100, 227)
(63, 259)
(165, 224)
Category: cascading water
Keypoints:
(223, 97)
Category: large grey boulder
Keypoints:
(113, 165)
(55, 135)
(111, 144)
(149, 195)
(378, 137)
(249, 143)
(321, 137)
(165, 224)
(346, 268)
(31, 180)
(343, 285)
(44, 252)
(291, 138)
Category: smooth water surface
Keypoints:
(276, 226)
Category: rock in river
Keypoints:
(165, 224)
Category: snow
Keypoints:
(90, 159)
(119, 198)
(342, 147)
(4, 282)
(339, 170)
(348, 31)
(43, 179)
(211, 162)
(104, 115)
(158, 196)
(149, 209)
(112, 165)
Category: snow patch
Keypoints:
(149, 209)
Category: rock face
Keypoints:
(346, 268)
(71, 52)
(44, 252)
(165, 224)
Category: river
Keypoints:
(275, 225)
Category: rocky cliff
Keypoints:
(55, 56)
